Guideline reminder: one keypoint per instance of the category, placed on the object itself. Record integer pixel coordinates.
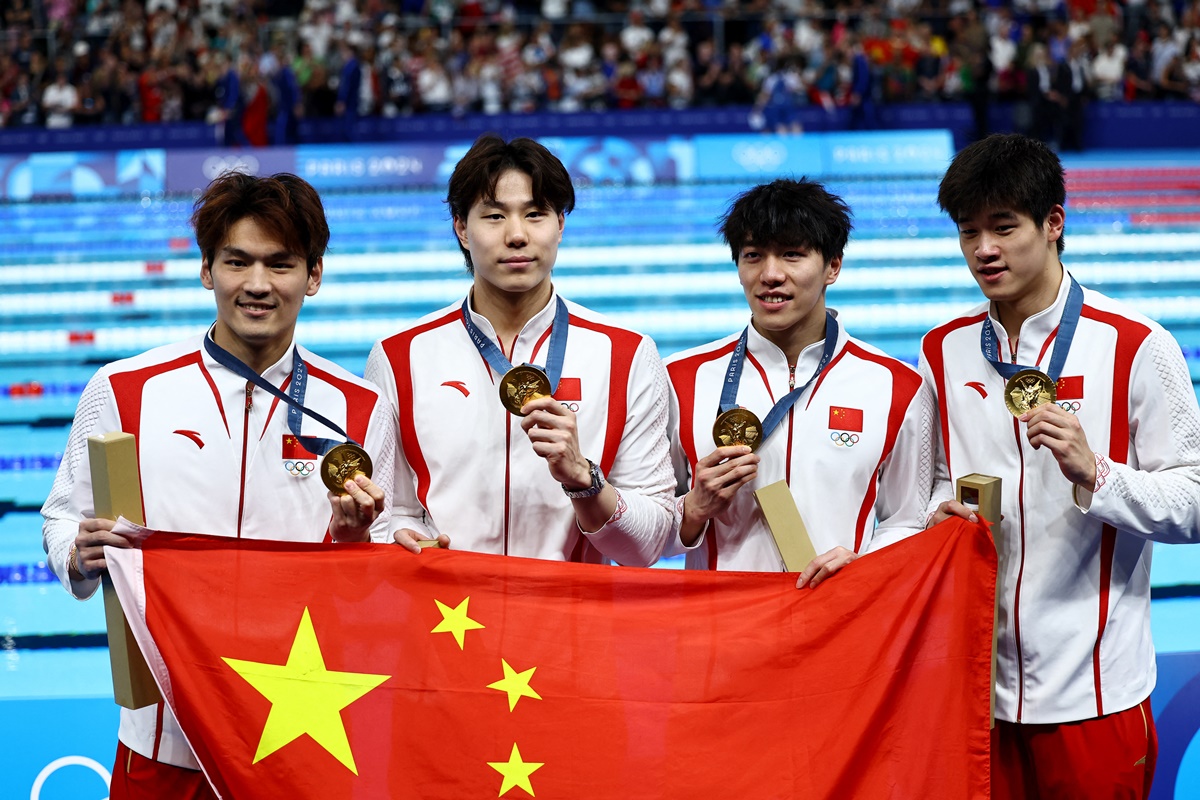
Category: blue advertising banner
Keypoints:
(589, 159)
(43, 176)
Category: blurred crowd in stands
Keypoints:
(259, 66)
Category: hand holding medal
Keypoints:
(521, 385)
(740, 426)
(1028, 389)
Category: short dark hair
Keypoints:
(477, 173)
(1004, 170)
(284, 204)
(787, 212)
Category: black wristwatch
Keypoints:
(591, 491)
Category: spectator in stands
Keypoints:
(1108, 70)
(636, 35)
(59, 101)
(1163, 50)
(22, 105)
(653, 78)
(289, 104)
(782, 93)
(706, 75)
(89, 109)
(679, 83)
(349, 89)
(628, 89)
(1139, 77)
(1190, 68)
(1074, 90)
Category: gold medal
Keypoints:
(1027, 390)
(342, 463)
(521, 385)
(737, 426)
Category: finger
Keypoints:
(94, 525)
(953, 508)
(408, 540)
(814, 566)
(356, 502)
(546, 405)
(376, 493)
(726, 453)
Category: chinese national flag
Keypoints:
(569, 389)
(363, 671)
(1069, 388)
(845, 419)
(293, 450)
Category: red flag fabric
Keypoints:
(363, 671)
(569, 389)
(846, 419)
(292, 449)
(1069, 388)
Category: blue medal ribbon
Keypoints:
(733, 376)
(294, 398)
(990, 345)
(496, 358)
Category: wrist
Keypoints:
(592, 487)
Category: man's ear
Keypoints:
(832, 270)
(206, 275)
(1054, 223)
(314, 277)
(460, 230)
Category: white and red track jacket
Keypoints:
(1074, 628)
(855, 448)
(465, 467)
(214, 457)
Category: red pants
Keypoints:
(136, 777)
(1107, 757)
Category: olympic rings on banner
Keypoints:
(572, 406)
(300, 468)
(1070, 406)
(843, 439)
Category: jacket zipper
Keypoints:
(787, 470)
(1021, 569)
(245, 439)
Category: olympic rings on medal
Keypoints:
(300, 469)
(843, 439)
(1070, 406)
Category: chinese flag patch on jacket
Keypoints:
(846, 419)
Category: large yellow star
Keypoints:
(516, 684)
(305, 697)
(455, 621)
(516, 772)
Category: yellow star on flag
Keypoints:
(516, 684)
(455, 621)
(516, 772)
(305, 697)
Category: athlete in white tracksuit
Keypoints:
(582, 475)
(853, 446)
(1074, 633)
(1089, 480)
(217, 451)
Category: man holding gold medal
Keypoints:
(528, 425)
(221, 449)
(794, 397)
(1085, 410)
